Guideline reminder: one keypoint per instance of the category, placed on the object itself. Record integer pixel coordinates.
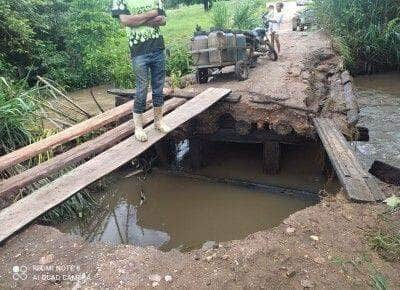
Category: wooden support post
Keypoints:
(165, 151)
(196, 152)
(271, 157)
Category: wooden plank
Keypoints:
(64, 136)
(79, 152)
(34, 205)
(358, 184)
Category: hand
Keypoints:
(152, 13)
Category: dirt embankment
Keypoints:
(324, 246)
(306, 77)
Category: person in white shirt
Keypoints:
(275, 25)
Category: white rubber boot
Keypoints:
(140, 134)
(159, 124)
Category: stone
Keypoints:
(323, 68)
(307, 283)
(155, 278)
(46, 259)
(305, 75)
(210, 258)
(290, 230)
(168, 278)
(314, 238)
(290, 273)
(155, 284)
(208, 245)
(319, 260)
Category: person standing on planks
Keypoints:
(142, 19)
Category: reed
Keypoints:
(366, 33)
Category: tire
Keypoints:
(202, 75)
(241, 70)
(253, 62)
(272, 53)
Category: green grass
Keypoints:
(182, 22)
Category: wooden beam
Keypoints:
(271, 157)
(24, 211)
(359, 184)
(259, 136)
(64, 136)
(79, 152)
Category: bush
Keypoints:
(179, 60)
(245, 14)
(18, 106)
(367, 32)
(75, 42)
(241, 14)
(221, 15)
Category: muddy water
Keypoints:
(171, 212)
(379, 98)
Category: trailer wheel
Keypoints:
(202, 75)
(241, 70)
(272, 53)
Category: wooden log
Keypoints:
(242, 127)
(78, 153)
(273, 189)
(255, 137)
(62, 137)
(282, 128)
(351, 104)
(358, 183)
(385, 172)
(24, 211)
(266, 102)
(165, 150)
(176, 93)
(271, 157)
(196, 150)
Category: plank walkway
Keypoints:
(26, 210)
(66, 135)
(358, 183)
(79, 153)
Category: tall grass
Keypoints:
(221, 15)
(18, 107)
(245, 14)
(367, 33)
(239, 14)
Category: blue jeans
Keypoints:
(155, 62)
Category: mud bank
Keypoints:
(324, 246)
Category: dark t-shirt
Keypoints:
(142, 39)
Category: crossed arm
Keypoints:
(150, 18)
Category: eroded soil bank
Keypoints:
(324, 246)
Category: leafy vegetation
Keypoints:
(367, 33)
(74, 42)
(18, 120)
(240, 14)
(221, 15)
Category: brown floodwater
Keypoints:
(182, 213)
(379, 99)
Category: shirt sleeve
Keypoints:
(118, 8)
